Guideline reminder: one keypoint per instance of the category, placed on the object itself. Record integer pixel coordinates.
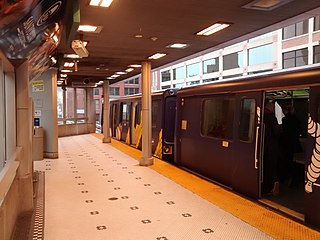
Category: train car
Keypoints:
(125, 122)
(221, 135)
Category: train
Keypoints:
(126, 124)
(218, 131)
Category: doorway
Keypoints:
(289, 150)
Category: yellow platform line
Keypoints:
(268, 221)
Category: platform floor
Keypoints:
(95, 191)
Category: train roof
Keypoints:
(302, 77)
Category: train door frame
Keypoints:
(247, 134)
(312, 161)
(289, 198)
(135, 116)
(114, 118)
(124, 126)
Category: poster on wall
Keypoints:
(29, 25)
(38, 86)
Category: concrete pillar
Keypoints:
(43, 89)
(91, 110)
(24, 137)
(106, 124)
(146, 159)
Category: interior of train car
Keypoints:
(291, 110)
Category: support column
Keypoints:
(44, 92)
(24, 137)
(146, 159)
(106, 124)
(91, 110)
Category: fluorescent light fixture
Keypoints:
(178, 45)
(100, 3)
(121, 73)
(71, 56)
(135, 65)
(212, 29)
(266, 5)
(157, 56)
(129, 70)
(115, 75)
(63, 75)
(87, 28)
(66, 71)
(68, 64)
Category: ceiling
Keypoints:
(164, 22)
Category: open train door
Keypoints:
(245, 172)
(312, 163)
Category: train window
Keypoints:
(217, 117)
(125, 112)
(247, 115)
(138, 115)
(169, 119)
(155, 113)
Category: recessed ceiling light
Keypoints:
(135, 65)
(138, 36)
(71, 56)
(115, 75)
(121, 73)
(66, 70)
(157, 55)
(178, 45)
(68, 64)
(129, 70)
(89, 28)
(100, 3)
(213, 28)
(63, 75)
(266, 5)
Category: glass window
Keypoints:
(178, 73)
(165, 76)
(96, 91)
(60, 102)
(296, 29)
(179, 85)
(317, 23)
(193, 83)
(114, 91)
(217, 117)
(131, 91)
(295, 58)
(260, 55)
(193, 70)
(97, 102)
(165, 87)
(169, 119)
(156, 119)
(70, 108)
(2, 124)
(81, 102)
(261, 37)
(209, 80)
(316, 54)
(232, 76)
(125, 112)
(233, 60)
(247, 115)
(210, 65)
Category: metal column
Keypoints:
(146, 159)
(106, 128)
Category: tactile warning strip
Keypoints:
(38, 227)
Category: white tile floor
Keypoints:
(95, 192)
